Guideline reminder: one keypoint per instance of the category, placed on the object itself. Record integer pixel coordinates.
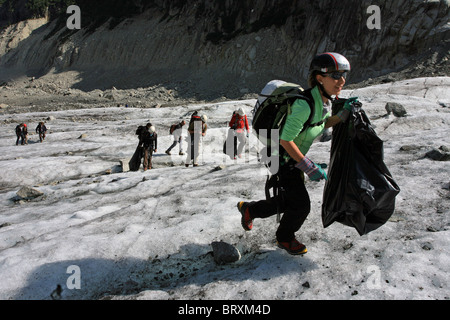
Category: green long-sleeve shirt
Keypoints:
(295, 121)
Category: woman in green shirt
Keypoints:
(327, 76)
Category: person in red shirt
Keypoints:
(239, 123)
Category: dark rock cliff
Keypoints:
(230, 47)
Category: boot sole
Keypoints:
(299, 253)
(243, 224)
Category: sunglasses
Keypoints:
(336, 75)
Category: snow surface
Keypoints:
(148, 235)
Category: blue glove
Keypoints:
(314, 172)
(345, 112)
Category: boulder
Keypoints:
(396, 109)
(438, 155)
(225, 253)
(28, 193)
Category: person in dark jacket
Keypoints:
(22, 134)
(150, 144)
(19, 135)
(41, 129)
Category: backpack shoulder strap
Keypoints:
(307, 96)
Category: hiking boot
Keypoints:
(187, 165)
(181, 153)
(246, 220)
(195, 164)
(168, 152)
(293, 247)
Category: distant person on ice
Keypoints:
(150, 143)
(41, 129)
(176, 130)
(19, 135)
(197, 129)
(22, 134)
(25, 133)
(238, 125)
(327, 76)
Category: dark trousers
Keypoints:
(296, 205)
(23, 139)
(41, 136)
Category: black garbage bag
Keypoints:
(136, 159)
(360, 191)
